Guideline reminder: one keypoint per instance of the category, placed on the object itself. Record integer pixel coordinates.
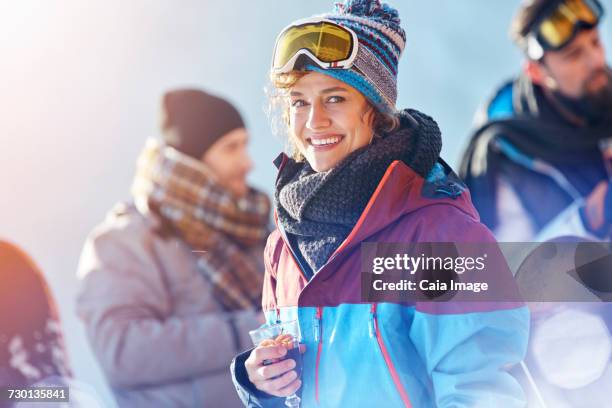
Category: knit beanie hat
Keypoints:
(193, 120)
(381, 42)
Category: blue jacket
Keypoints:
(362, 354)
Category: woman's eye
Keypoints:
(298, 103)
(335, 99)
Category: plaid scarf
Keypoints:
(226, 232)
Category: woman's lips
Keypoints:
(324, 143)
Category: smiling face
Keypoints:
(328, 120)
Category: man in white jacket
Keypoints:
(171, 279)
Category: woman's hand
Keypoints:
(277, 377)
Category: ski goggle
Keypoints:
(324, 42)
(561, 24)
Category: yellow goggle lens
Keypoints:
(327, 42)
(556, 30)
(582, 11)
(559, 27)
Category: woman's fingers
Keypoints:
(261, 354)
(263, 363)
(282, 386)
(270, 375)
(278, 383)
(290, 389)
(273, 370)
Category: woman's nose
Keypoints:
(317, 117)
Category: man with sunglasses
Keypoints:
(535, 166)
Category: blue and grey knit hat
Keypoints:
(381, 42)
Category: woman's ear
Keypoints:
(368, 115)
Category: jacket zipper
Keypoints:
(318, 337)
(318, 323)
(318, 326)
(383, 349)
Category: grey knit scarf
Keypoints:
(319, 210)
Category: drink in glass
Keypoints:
(286, 334)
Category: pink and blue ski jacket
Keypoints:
(360, 354)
